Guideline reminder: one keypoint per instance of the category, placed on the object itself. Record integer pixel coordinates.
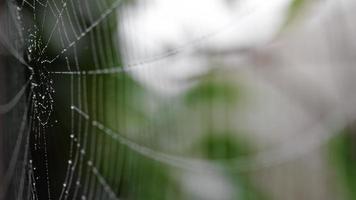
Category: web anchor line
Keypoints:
(167, 54)
(87, 30)
(90, 162)
(4, 108)
(16, 152)
(171, 160)
(151, 60)
(54, 28)
(259, 161)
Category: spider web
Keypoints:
(87, 130)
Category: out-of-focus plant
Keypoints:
(217, 96)
(342, 150)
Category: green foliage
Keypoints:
(210, 90)
(223, 147)
(146, 179)
(343, 154)
(295, 8)
(222, 144)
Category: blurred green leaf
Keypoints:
(295, 8)
(343, 154)
(152, 182)
(208, 91)
(223, 146)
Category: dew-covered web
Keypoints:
(88, 129)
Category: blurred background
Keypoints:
(168, 99)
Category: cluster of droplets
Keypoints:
(43, 93)
(42, 84)
(34, 44)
